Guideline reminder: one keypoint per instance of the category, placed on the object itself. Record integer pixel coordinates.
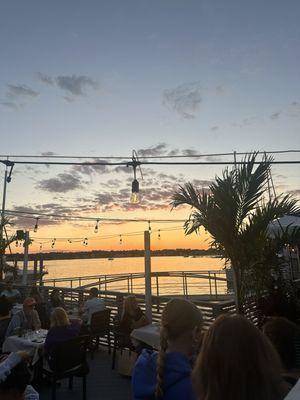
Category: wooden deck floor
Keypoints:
(102, 383)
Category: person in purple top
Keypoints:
(61, 329)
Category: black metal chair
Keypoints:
(121, 341)
(99, 327)
(68, 359)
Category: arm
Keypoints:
(36, 321)
(141, 322)
(15, 323)
(8, 364)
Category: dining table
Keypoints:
(149, 334)
(30, 341)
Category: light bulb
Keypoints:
(135, 195)
(135, 198)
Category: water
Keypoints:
(103, 266)
(167, 285)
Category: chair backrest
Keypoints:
(68, 354)
(3, 328)
(100, 322)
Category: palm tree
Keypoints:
(236, 214)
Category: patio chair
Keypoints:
(99, 327)
(120, 340)
(68, 359)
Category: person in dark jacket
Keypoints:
(166, 375)
(61, 329)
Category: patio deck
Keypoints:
(102, 383)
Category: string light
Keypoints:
(149, 226)
(121, 240)
(17, 243)
(36, 225)
(96, 226)
(85, 242)
(158, 236)
(53, 243)
(41, 246)
(135, 186)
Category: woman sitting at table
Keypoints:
(55, 299)
(61, 329)
(26, 319)
(132, 318)
(166, 375)
(41, 307)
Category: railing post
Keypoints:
(216, 286)
(148, 295)
(209, 280)
(157, 294)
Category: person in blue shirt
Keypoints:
(166, 375)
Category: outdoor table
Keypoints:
(148, 334)
(32, 342)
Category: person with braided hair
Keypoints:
(166, 375)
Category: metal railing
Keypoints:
(166, 283)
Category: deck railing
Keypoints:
(185, 283)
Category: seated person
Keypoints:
(285, 336)
(92, 305)
(26, 319)
(41, 307)
(13, 295)
(132, 318)
(55, 299)
(5, 307)
(61, 329)
(15, 378)
(166, 374)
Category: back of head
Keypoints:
(178, 321)
(59, 317)
(282, 333)
(128, 304)
(94, 292)
(15, 384)
(237, 362)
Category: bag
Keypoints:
(126, 360)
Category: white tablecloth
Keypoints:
(32, 344)
(148, 334)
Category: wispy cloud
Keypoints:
(275, 115)
(45, 78)
(184, 99)
(20, 91)
(156, 150)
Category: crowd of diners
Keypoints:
(231, 360)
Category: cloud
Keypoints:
(184, 99)
(156, 150)
(64, 182)
(75, 85)
(275, 115)
(11, 105)
(45, 78)
(214, 128)
(20, 91)
(92, 169)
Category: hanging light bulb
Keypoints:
(135, 186)
(96, 226)
(159, 234)
(121, 241)
(85, 242)
(36, 225)
(135, 189)
(41, 246)
(53, 243)
(17, 244)
(149, 226)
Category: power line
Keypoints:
(54, 156)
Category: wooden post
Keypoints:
(41, 269)
(26, 248)
(35, 265)
(148, 294)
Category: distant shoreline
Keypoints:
(113, 254)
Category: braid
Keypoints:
(159, 391)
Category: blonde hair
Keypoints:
(128, 305)
(178, 317)
(59, 317)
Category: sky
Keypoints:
(101, 78)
